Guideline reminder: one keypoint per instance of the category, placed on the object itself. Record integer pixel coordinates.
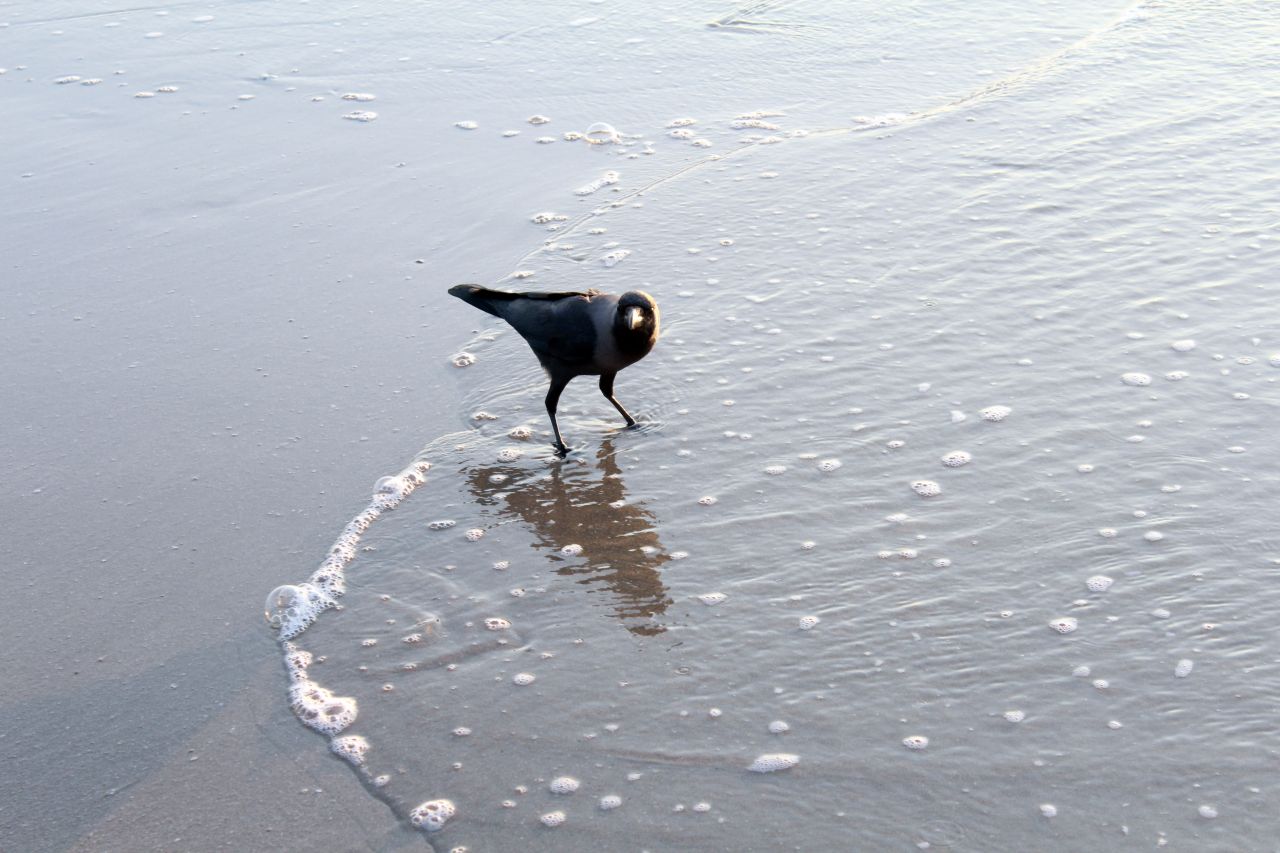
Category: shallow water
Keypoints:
(867, 295)
(1036, 209)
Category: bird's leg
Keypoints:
(553, 400)
(606, 388)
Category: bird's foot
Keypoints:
(631, 423)
(561, 450)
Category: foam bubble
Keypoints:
(319, 709)
(1064, 624)
(1048, 810)
(995, 413)
(926, 488)
(778, 727)
(1274, 359)
(915, 742)
(509, 454)
(461, 731)
(537, 119)
(607, 179)
(601, 133)
(681, 133)
(615, 257)
(775, 470)
(1099, 583)
(1015, 716)
(523, 679)
(466, 125)
(564, 785)
(547, 216)
(441, 524)
(1085, 468)
(772, 762)
(350, 747)
(942, 563)
(553, 819)
(463, 359)
(475, 534)
(1082, 671)
(1138, 379)
(571, 550)
(1108, 532)
(291, 608)
(497, 623)
(1184, 345)
(1176, 375)
(707, 500)
(829, 464)
(433, 814)
(368, 116)
(359, 96)
(1207, 811)
(807, 623)
(70, 78)
(712, 598)
(1153, 536)
(1183, 669)
(956, 458)
(609, 802)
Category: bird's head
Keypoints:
(637, 317)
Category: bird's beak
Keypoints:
(634, 317)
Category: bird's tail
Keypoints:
(481, 297)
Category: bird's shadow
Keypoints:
(583, 501)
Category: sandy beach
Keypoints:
(951, 482)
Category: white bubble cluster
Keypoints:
(712, 598)
(564, 785)
(777, 727)
(772, 762)
(508, 454)
(350, 747)
(1099, 583)
(1185, 345)
(1183, 669)
(926, 488)
(433, 814)
(1015, 716)
(1049, 810)
(915, 742)
(553, 819)
(441, 524)
(615, 257)
(571, 550)
(362, 116)
(463, 359)
(497, 623)
(995, 413)
(475, 534)
(610, 801)
(774, 470)
(707, 500)
(1064, 624)
(605, 180)
(319, 709)
(1207, 811)
(1138, 379)
(523, 679)
(829, 464)
(808, 622)
(956, 458)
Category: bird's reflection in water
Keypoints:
(577, 502)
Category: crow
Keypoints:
(575, 334)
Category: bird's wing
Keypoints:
(559, 326)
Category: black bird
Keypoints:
(575, 334)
